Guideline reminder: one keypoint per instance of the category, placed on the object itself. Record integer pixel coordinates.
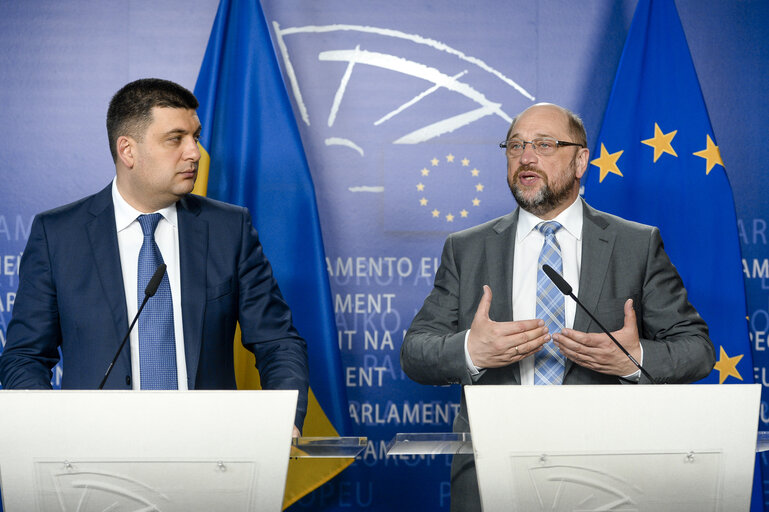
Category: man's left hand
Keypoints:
(598, 352)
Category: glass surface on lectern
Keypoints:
(451, 443)
(442, 443)
(762, 443)
(327, 447)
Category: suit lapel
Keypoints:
(102, 235)
(597, 245)
(193, 255)
(500, 247)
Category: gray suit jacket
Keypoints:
(620, 260)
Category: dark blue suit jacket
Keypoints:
(71, 295)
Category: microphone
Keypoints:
(149, 291)
(566, 289)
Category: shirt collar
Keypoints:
(125, 214)
(571, 220)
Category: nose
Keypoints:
(528, 155)
(192, 150)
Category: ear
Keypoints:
(126, 149)
(582, 156)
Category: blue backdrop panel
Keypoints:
(400, 105)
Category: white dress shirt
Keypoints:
(130, 239)
(528, 245)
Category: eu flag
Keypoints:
(656, 162)
(254, 157)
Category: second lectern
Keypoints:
(145, 450)
(629, 448)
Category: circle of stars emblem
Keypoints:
(430, 170)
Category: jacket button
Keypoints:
(127, 380)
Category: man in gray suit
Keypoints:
(465, 335)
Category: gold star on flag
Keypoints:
(464, 213)
(425, 172)
(475, 172)
(479, 187)
(711, 154)
(449, 157)
(465, 162)
(435, 213)
(449, 218)
(420, 186)
(476, 201)
(727, 366)
(607, 162)
(434, 161)
(661, 142)
(423, 201)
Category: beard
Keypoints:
(547, 198)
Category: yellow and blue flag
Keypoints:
(253, 157)
(656, 162)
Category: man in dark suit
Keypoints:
(618, 268)
(78, 286)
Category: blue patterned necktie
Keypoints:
(157, 344)
(548, 362)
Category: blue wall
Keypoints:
(60, 62)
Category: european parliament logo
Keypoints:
(412, 122)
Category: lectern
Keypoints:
(644, 448)
(145, 450)
(622, 448)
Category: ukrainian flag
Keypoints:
(253, 157)
(657, 162)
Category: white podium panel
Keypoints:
(144, 450)
(622, 448)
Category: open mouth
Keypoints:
(528, 177)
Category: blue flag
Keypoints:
(255, 159)
(656, 162)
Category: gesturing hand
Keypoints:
(494, 344)
(597, 352)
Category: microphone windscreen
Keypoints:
(152, 286)
(557, 280)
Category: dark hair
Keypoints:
(576, 127)
(130, 110)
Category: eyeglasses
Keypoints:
(545, 146)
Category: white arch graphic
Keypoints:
(353, 57)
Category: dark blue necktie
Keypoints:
(157, 344)
(549, 363)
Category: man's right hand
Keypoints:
(494, 344)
